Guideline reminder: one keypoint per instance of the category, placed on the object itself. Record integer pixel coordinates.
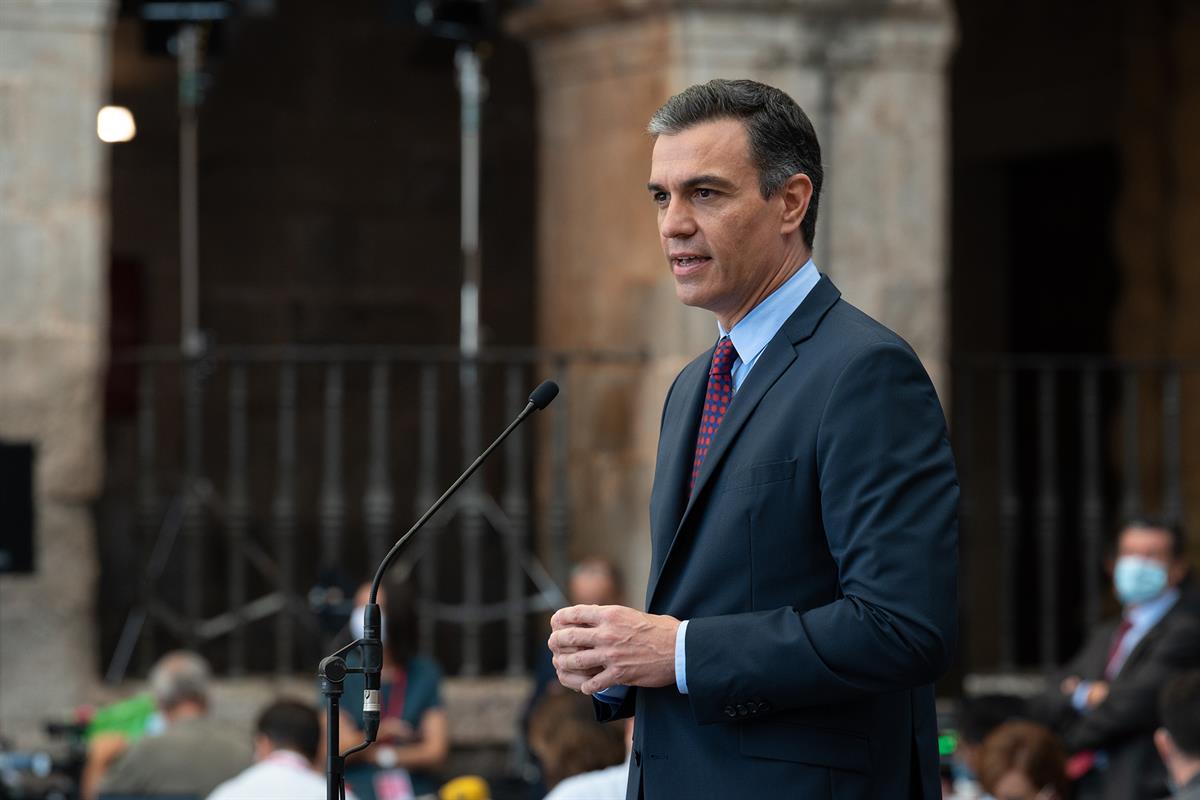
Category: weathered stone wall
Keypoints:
(53, 219)
(872, 80)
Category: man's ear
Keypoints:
(1165, 745)
(1177, 570)
(796, 194)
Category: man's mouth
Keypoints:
(687, 263)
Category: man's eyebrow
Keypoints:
(715, 181)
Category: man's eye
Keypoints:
(659, 197)
(704, 194)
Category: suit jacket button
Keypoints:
(730, 712)
(741, 710)
(752, 707)
(764, 706)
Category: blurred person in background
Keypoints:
(1022, 760)
(1178, 740)
(414, 734)
(978, 717)
(1105, 706)
(595, 580)
(286, 741)
(569, 742)
(192, 754)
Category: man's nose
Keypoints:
(676, 221)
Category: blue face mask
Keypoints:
(1138, 579)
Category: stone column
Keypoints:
(873, 81)
(53, 265)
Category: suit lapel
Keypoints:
(774, 361)
(679, 447)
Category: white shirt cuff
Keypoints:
(681, 658)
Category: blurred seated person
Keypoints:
(1104, 705)
(595, 580)
(978, 717)
(1178, 740)
(193, 753)
(568, 741)
(286, 740)
(414, 735)
(1022, 760)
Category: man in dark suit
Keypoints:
(803, 517)
(1178, 740)
(1104, 704)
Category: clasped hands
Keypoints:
(596, 647)
(1097, 691)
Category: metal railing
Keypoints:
(263, 472)
(1054, 452)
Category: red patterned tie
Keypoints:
(716, 401)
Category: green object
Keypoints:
(947, 742)
(127, 717)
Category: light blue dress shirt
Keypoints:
(750, 336)
(1141, 618)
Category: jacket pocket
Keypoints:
(806, 745)
(758, 474)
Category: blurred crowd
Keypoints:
(1121, 721)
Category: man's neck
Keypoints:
(788, 266)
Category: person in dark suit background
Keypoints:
(1178, 740)
(1104, 703)
(802, 593)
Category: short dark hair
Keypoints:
(783, 141)
(1167, 524)
(291, 725)
(1179, 710)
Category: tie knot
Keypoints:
(723, 356)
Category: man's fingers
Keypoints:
(576, 615)
(601, 681)
(573, 680)
(580, 661)
(565, 640)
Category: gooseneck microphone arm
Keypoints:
(538, 399)
(333, 669)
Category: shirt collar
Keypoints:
(752, 332)
(1147, 614)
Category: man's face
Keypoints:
(723, 241)
(1152, 544)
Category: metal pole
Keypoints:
(189, 240)
(471, 92)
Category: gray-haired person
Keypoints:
(193, 753)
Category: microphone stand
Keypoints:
(332, 672)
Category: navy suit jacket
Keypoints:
(816, 560)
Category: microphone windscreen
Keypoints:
(543, 394)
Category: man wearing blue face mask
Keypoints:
(1104, 706)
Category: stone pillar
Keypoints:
(872, 79)
(53, 265)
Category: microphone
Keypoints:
(372, 644)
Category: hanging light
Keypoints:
(115, 124)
